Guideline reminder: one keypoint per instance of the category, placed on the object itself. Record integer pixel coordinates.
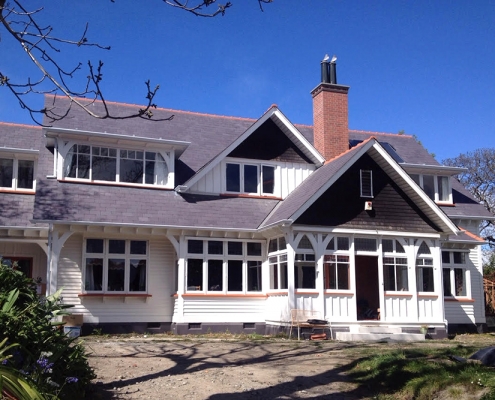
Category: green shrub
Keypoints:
(54, 363)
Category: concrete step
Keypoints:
(375, 337)
(377, 329)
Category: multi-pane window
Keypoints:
(394, 266)
(366, 183)
(336, 268)
(436, 187)
(336, 264)
(305, 271)
(250, 178)
(115, 265)
(305, 265)
(16, 174)
(455, 274)
(277, 260)
(223, 266)
(395, 273)
(424, 269)
(108, 164)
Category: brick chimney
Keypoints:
(330, 112)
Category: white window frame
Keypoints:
(331, 256)
(63, 151)
(466, 274)
(259, 166)
(224, 258)
(16, 157)
(424, 261)
(366, 176)
(106, 255)
(419, 179)
(275, 261)
(395, 254)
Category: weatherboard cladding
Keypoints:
(342, 205)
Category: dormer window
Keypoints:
(96, 163)
(17, 169)
(436, 187)
(250, 178)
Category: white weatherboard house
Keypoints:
(208, 222)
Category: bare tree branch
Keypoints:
(41, 46)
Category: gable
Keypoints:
(342, 205)
(268, 142)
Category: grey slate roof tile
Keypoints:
(17, 209)
(209, 135)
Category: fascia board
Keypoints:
(70, 134)
(317, 157)
(433, 169)
(274, 111)
(365, 147)
(417, 189)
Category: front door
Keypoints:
(367, 290)
(23, 264)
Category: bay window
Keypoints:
(277, 261)
(115, 265)
(424, 269)
(223, 266)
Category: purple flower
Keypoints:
(71, 379)
(4, 362)
(44, 364)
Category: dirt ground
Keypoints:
(219, 369)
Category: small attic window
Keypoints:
(366, 183)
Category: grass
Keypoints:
(423, 374)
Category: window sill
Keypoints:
(459, 299)
(223, 295)
(424, 294)
(330, 292)
(17, 191)
(110, 183)
(398, 294)
(277, 294)
(124, 296)
(251, 196)
(306, 291)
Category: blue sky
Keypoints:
(424, 67)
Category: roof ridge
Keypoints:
(165, 109)
(381, 133)
(351, 149)
(17, 124)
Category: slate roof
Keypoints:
(208, 135)
(17, 209)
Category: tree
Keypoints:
(43, 48)
(479, 179)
